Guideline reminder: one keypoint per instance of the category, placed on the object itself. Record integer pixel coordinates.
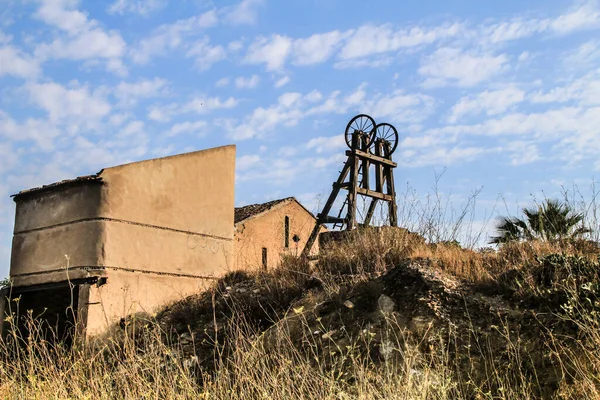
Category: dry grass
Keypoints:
(271, 350)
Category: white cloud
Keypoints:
(133, 128)
(585, 56)
(509, 30)
(13, 62)
(369, 40)
(222, 82)
(367, 62)
(523, 152)
(573, 130)
(61, 102)
(60, 13)
(443, 156)
(117, 67)
(9, 158)
(326, 143)
(373, 45)
(401, 107)
(491, 102)
(128, 94)
(272, 51)
(247, 161)
(454, 66)
(172, 36)
(84, 38)
(206, 55)
(283, 171)
(584, 90)
(282, 81)
(141, 7)
(292, 107)
(317, 48)
(244, 13)
(40, 131)
(247, 83)
(188, 127)
(584, 17)
(94, 43)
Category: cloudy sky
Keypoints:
(497, 96)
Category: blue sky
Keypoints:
(502, 96)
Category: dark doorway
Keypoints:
(286, 233)
(47, 312)
(264, 258)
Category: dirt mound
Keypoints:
(412, 307)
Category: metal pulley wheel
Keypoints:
(362, 123)
(386, 132)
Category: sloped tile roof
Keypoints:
(242, 213)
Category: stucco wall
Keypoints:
(173, 214)
(51, 226)
(267, 230)
(190, 192)
(127, 293)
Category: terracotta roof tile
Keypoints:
(242, 213)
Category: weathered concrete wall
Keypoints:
(192, 192)
(172, 214)
(127, 293)
(267, 230)
(51, 226)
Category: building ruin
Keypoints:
(90, 251)
(128, 239)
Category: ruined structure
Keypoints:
(266, 232)
(128, 239)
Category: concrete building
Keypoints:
(130, 238)
(266, 232)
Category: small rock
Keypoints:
(349, 304)
(386, 304)
(228, 288)
(328, 335)
(242, 290)
(256, 291)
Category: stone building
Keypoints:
(266, 232)
(128, 239)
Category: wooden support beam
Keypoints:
(370, 212)
(374, 194)
(327, 219)
(371, 157)
(378, 168)
(327, 208)
(389, 180)
(352, 191)
(344, 185)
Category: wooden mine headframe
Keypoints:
(372, 149)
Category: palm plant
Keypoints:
(553, 220)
